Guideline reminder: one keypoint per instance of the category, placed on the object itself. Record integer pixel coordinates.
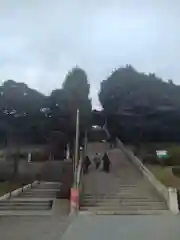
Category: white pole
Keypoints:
(77, 140)
(29, 157)
(67, 152)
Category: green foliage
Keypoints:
(27, 116)
(141, 107)
(76, 84)
(8, 186)
(176, 171)
(76, 93)
(98, 118)
(39, 156)
(165, 175)
(97, 135)
(174, 153)
(128, 88)
(18, 98)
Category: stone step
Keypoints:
(24, 204)
(111, 194)
(125, 185)
(117, 191)
(41, 191)
(38, 195)
(47, 187)
(124, 212)
(24, 201)
(119, 205)
(42, 197)
(122, 197)
(127, 202)
(25, 207)
(112, 207)
(122, 202)
(19, 212)
(50, 183)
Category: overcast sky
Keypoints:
(40, 40)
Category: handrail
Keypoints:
(79, 171)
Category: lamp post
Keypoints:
(76, 142)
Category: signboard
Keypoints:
(162, 154)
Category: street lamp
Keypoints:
(76, 142)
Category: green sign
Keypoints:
(162, 154)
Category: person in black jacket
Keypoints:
(106, 163)
(86, 164)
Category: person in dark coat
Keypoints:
(97, 160)
(106, 163)
(86, 164)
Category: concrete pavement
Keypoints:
(38, 227)
(156, 227)
(32, 227)
(36, 224)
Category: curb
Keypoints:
(17, 191)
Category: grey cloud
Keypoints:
(41, 40)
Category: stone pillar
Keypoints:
(67, 152)
(29, 157)
(74, 200)
(173, 200)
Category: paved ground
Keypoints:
(44, 225)
(124, 228)
(35, 227)
(32, 228)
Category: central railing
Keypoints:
(79, 172)
(77, 188)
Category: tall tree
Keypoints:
(140, 106)
(20, 111)
(76, 93)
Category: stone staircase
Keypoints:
(40, 193)
(38, 198)
(122, 204)
(123, 191)
(21, 204)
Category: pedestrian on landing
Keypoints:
(97, 160)
(86, 164)
(106, 163)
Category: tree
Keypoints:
(62, 105)
(140, 106)
(98, 118)
(20, 110)
(76, 95)
(18, 98)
